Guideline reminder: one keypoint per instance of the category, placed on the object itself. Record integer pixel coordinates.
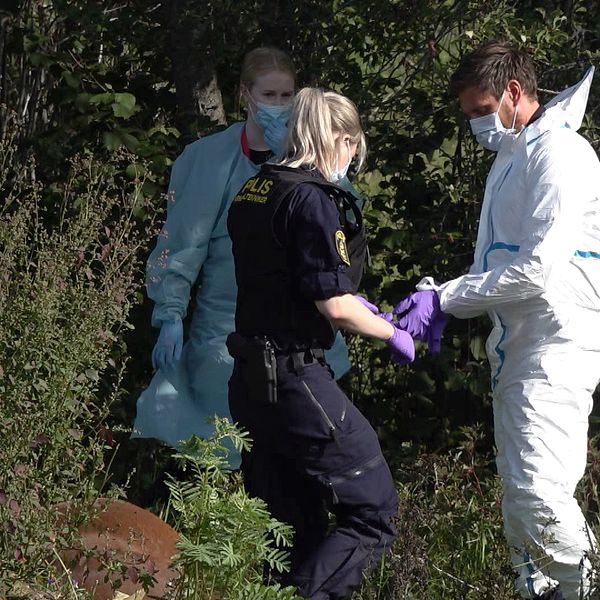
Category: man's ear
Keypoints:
(514, 91)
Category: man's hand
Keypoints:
(420, 315)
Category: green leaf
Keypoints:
(129, 140)
(82, 101)
(102, 99)
(71, 79)
(477, 347)
(112, 140)
(134, 170)
(124, 105)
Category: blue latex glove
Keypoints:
(374, 309)
(273, 120)
(402, 346)
(169, 344)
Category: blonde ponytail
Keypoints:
(316, 120)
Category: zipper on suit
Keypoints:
(332, 428)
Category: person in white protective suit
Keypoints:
(190, 385)
(536, 273)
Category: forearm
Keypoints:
(171, 298)
(349, 314)
(473, 294)
(169, 278)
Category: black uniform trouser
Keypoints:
(299, 465)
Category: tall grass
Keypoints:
(450, 540)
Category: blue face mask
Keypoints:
(272, 119)
(489, 131)
(265, 115)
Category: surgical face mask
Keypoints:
(266, 115)
(489, 131)
(338, 174)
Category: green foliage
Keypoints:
(466, 548)
(89, 75)
(227, 537)
(450, 542)
(96, 77)
(69, 273)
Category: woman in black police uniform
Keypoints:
(298, 246)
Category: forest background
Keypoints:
(96, 101)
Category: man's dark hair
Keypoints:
(491, 66)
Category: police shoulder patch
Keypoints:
(340, 245)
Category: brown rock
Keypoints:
(129, 536)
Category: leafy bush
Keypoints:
(450, 541)
(227, 537)
(69, 270)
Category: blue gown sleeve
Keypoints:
(182, 244)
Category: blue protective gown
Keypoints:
(194, 243)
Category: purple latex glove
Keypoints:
(367, 304)
(416, 312)
(374, 309)
(420, 314)
(402, 346)
(435, 332)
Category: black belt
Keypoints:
(297, 360)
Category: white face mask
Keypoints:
(338, 174)
(489, 131)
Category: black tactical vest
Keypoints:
(269, 302)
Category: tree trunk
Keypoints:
(199, 100)
(8, 12)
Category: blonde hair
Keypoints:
(264, 60)
(317, 119)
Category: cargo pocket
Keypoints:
(335, 484)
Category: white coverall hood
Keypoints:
(568, 108)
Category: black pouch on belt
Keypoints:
(256, 356)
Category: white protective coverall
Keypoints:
(536, 273)
(194, 242)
